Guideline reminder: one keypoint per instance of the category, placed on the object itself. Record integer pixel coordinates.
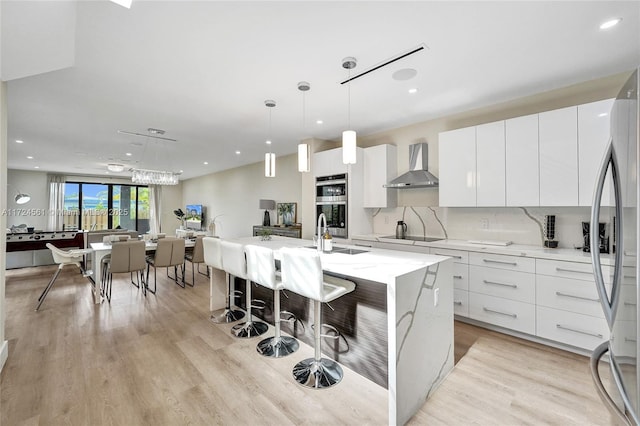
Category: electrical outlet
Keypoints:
(484, 223)
(436, 296)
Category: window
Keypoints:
(94, 206)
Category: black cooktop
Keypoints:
(414, 238)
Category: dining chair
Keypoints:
(196, 257)
(126, 256)
(169, 252)
(64, 258)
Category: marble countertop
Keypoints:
(379, 265)
(566, 254)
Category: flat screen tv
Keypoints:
(194, 216)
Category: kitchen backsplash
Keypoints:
(516, 224)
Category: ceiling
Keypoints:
(78, 72)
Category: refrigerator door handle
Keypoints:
(609, 305)
(602, 392)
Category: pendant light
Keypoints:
(349, 136)
(304, 154)
(270, 157)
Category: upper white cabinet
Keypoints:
(558, 145)
(490, 164)
(593, 135)
(457, 157)
(380, 166)
(522, 168)
(327, 163)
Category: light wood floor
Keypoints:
(159, 361)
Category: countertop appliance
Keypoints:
(401, 229)
(621, 303)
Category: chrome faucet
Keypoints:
(321, 230)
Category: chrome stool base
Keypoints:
(317, 374)
(246, 330)
(279, 348)
(225, 316)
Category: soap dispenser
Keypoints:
(328, 241)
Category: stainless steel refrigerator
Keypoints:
(620, 299)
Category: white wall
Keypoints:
(4, 345)
(232, 196)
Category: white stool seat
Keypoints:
(302, 274)
(234, 262)
(261, 269)
(213, 257)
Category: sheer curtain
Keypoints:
(56, 202)
(155, 208)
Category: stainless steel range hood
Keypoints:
(418, 175)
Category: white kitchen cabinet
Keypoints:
(380, 166)
(558, 144)
(457, 159)
(490, 165)
(522, 177)
(593, 136)
(327, 163)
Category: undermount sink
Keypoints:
(341, 250)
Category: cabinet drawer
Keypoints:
(576, 270)
(624, 340)
(461, 302)
(458, 256)
(568, 295)
(506, 313)
(513, 263)
(570, 328)
(461, 276)
(512, 285)
(627, 307)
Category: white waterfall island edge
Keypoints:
(419, 330)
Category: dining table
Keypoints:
(100, 250)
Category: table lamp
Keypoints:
(267, 205)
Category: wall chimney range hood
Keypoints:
(418, 175)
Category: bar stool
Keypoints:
(213, 258)
(261, 269)
(302, 274)
(235, 264)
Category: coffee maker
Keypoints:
(603, 237)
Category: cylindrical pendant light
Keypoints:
(349, 136)
(304, 151)
(270, 157)
(270, 164)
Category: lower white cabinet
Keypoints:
(571, 328)
(461, 302)
(508, 284)
(511, 314)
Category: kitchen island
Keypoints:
(397, 324)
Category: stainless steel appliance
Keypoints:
(621, 303)
(332, 200)
(418, 175)
(401, 230)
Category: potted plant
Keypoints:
(180, 216)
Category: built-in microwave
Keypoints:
(332, 200)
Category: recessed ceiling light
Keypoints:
(610, 23)
(413, 90)
(181, 171)
(267, 142)
(602, 114)
(36, 167)
(205, 163)
(319, 121)
(237, 152)
(29, 157)
(19, 141)
(128, 154)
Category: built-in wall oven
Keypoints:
(332, 200)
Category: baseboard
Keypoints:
(4, 354)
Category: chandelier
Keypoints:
(154, 177)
